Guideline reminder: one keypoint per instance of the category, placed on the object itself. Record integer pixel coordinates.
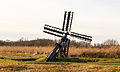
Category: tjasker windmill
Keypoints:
(62, 47)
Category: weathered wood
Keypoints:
(62, 47)
(63, 28)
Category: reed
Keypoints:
(108, 52)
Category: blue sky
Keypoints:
(26, 18)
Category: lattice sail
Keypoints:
(53, 30)
(67, 22)
(81, 36)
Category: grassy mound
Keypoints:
(41, 59)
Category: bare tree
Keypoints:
(110, 42)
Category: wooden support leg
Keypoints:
(68, 47)
(64, 51)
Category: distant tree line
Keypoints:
(49, 42)
(37, 42)
(106, 43)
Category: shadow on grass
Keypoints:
(49, 63)
(29, 59)
(12, 67)
(19, 58)
(71, 60)
(2, 57)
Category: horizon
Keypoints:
(26, 18)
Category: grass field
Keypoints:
(23, 59)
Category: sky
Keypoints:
(26, 18)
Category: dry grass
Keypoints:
(57, 67)
(11, 62)
(110, 52)
(25, 49)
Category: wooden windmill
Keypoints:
(62, 47)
